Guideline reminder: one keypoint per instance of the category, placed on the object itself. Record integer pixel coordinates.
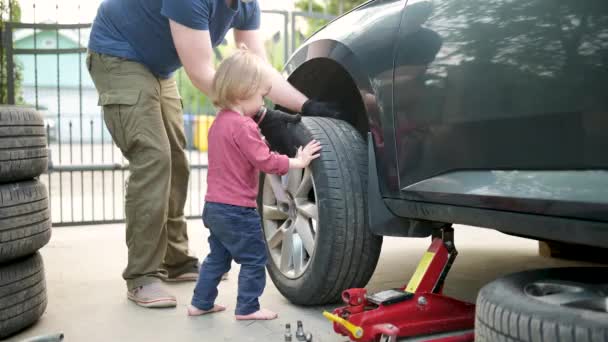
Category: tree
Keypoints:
(193, 100)
(9, 11)
(330, 7)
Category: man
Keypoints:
(135, 46)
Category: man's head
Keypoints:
(241, 82)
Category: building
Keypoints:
(54, 83)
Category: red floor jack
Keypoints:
(417, 310)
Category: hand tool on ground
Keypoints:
(287, 332)
(46, 338)
(300, 336)
(418, 309)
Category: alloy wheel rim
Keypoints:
(290, 217)
(570, 294)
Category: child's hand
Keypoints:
(307, 154)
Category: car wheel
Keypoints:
(25, 219)
(23, 145)
(560, 304)
(315, 220)
(22, 294)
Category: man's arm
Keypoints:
(282, 92)
(196, 54)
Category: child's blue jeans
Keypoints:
(235, 233)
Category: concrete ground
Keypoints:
(87, 297)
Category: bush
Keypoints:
(9, 11)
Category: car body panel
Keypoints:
(486, 107)
(477, 89)
(542, 227)
(570, 194)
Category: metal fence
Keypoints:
(87, 172)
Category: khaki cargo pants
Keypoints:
(144, 116)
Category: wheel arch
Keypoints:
(327, 70)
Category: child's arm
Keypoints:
(259, 155)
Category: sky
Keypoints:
(83, 11)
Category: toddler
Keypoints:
(236, 155)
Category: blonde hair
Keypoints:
(239, 77)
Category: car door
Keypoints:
(501, 104)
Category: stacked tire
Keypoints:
(546, 305)
(25, 220)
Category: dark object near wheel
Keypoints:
(560, 304)
(23, 145)
(25, 223)
(22, 294)
(315, 220)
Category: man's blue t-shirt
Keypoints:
(139, 29)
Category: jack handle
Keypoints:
(355, 331)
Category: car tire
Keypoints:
(23, 144)
(23, 297)
(25, 221)
(345, 251)
(523, 306)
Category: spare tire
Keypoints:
(315, 220)
(22, 294)
(560, 304)
(25, 219)
(23, 144)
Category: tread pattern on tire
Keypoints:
(496, 321)
(23, 144)
(359, 248)
(23, 296)
(354, 249)
(25, 221)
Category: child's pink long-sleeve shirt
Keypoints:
(236, 155)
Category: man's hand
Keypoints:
(317, 108)
(275, 127)
(277, 115)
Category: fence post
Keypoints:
(10, 65)
(293, 32)
(286, 37)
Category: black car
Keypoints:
(490, 113)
